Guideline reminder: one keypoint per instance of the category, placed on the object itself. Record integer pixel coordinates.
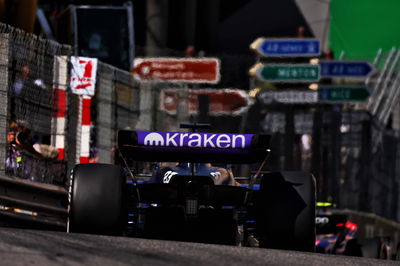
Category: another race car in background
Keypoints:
(338, 232)
(334, 231)
(273, 210)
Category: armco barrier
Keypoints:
(28, 204)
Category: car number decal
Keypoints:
(321, 220)
(168, 175)
(215, 175)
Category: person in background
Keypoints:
(94, 155)
(23, 137)
(190, 51)
(301, 32)
(18, 142)
(17, 88)
(19, 83)
(13, 158)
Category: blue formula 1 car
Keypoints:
(189, 196)
(337, 233)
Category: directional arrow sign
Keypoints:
(286, 73)
(343, 94)
(287, 47)
(220, 102)
(346, 69)
(288, 97)
(190, 70)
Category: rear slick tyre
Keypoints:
(97, 199)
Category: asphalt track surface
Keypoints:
(31, 247)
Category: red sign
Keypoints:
(221, 102)
(191, 70)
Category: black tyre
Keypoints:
(373, 248)
(285, 211)
(397, 255)
(353, 248)
(96, 200)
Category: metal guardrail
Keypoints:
(30, 204)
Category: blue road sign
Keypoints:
(346, 68)
(343, 94)
(287, 47)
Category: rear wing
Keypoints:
(159, 146)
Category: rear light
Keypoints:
(348, 225)
(351, 226)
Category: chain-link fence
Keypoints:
(373, 163)
(40, 117)
(28, 78)
(115, 106)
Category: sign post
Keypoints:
(221, 101)
(83, 75)
(346, 68)
(190, 70)
(287, 47)
(343, 94)
(286, 73)
(288, 97)
(83, 83)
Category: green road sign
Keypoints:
(343, 94)
(286, 73)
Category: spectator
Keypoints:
(96, 47)
(190, 51)
(23, 138)
(19, 84)
(13, 158)
(25, 158)
(94, 155)
(327, 55)
(46, 151)
(301, 32)
(25, 141)
(17, 89)
(93, 151)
